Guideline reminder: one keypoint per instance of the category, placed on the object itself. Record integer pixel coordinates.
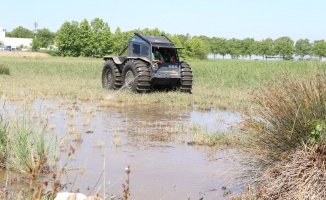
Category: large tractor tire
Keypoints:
(111, 77)
(136, 76)
(186, 78)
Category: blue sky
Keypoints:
(239, 19)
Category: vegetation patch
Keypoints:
(29, 154)
(287, 132)
(219, 84)
(4, 69)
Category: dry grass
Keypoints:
(23, 54)
(301, 176)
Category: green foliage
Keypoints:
(284, 47)
(20, 32)
(234, 47)
(86, 38)
(101, 41)
(207, 43)
(248, 47)
(67, 39)
(195, 48)
(43, 39)
(319, 48)
(218, 46)
(153, 32)
(318, 132)
(302, 48)
(267, 47)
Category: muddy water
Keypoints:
(152, 140)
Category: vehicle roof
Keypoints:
(155, 41)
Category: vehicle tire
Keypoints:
(136, 76)
(111, 76)
(186, 78)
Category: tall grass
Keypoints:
(288, 132)
(291, 112)
(3, 141)
(223, 84)
(29, 153)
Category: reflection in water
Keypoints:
(146, 138)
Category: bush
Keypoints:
(4, 69)
(291, 112)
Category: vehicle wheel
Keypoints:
(186, 78)
(136, 76)
(111, 77)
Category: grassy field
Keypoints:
(221, 84)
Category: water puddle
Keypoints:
(146, 138)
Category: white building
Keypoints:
(14, 42)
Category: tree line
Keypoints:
(95, 39)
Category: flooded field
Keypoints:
(154, 140)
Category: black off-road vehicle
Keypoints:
(139, 73)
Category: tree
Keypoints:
(85, 38)
(43, 39)
(176, 40)
(21, 32)
(284, 47)
(302, 48)
(207, 43)
(248, 47)
(234, 47)
(319, 48)
(102, 38)
(266, 48)
(218, 46)
(195, 48)
(67, 39)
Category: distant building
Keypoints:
(14, 43)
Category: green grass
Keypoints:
(222, 84)
(4, 69)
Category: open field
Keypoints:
(221, 84)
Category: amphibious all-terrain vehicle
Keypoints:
(138, 72)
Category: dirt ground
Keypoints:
(22, 54)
